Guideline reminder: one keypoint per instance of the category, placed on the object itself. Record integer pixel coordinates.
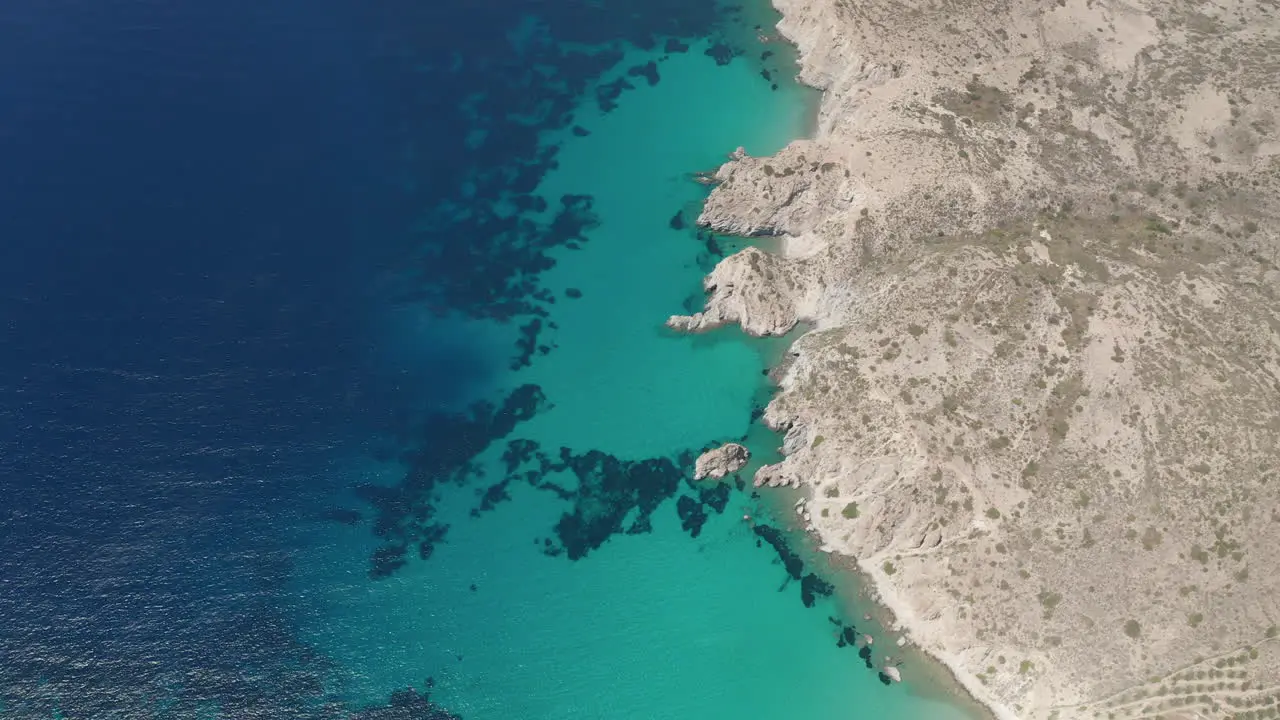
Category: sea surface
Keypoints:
(333, 378)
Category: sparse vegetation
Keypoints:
(1049, 601)
(1151, 538)
(1067, 341)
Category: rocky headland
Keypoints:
(1036, 247)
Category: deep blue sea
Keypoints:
(333, 381)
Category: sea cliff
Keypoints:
(1036, 245)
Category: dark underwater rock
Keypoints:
(722, 53)
(648, 71)
(790, 560)
(692, 516)
(811, 586)
(674, 45)
(406, 704)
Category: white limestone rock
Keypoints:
(722, 461)
(757, 290)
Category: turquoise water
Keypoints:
(261, 259)
(648, 625)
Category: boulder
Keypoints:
(717, 463)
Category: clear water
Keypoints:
(259, 264)
(659, 625)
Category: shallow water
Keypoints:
(658, 624)
(251, 297)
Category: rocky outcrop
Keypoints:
(776, 475)
(724, 460)
(795, 437)
(759, 291)
(786, 193)
(1037, 247)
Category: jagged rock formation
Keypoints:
(759, 291)
(717, 463)
(1038, 243)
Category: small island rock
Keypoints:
(721, 461)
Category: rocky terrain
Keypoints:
(1035, 246)
(721, 461)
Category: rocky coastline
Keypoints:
(1036, 247)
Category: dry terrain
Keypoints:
(1036, 249)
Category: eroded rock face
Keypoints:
(776, 475)
(786, 193)
(724, 460)
(1038, 244)
(757, 290)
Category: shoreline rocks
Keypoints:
(757, 290)
(724, 460)
(1034, 246)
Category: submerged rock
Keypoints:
(722, 461)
